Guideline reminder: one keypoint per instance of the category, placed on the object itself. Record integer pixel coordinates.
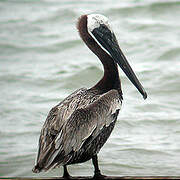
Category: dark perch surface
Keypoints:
(108, 177)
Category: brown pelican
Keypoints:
(76, 129)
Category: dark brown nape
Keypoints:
(110, 80)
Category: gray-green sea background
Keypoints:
(43, 60)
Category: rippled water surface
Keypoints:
(42, 60)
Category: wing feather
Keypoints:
(72, 122)
(56, 120)
(89, 121)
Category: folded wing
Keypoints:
(80, 124)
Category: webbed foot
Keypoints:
(66, 175)
(98, 175)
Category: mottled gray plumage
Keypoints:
(77, 128)
(72, 126)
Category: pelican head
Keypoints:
(100, 30)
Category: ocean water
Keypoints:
(43, 59)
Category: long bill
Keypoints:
(108, 40)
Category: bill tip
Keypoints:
(144, 95)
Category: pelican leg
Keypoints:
(66, 174)
(97, 172)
